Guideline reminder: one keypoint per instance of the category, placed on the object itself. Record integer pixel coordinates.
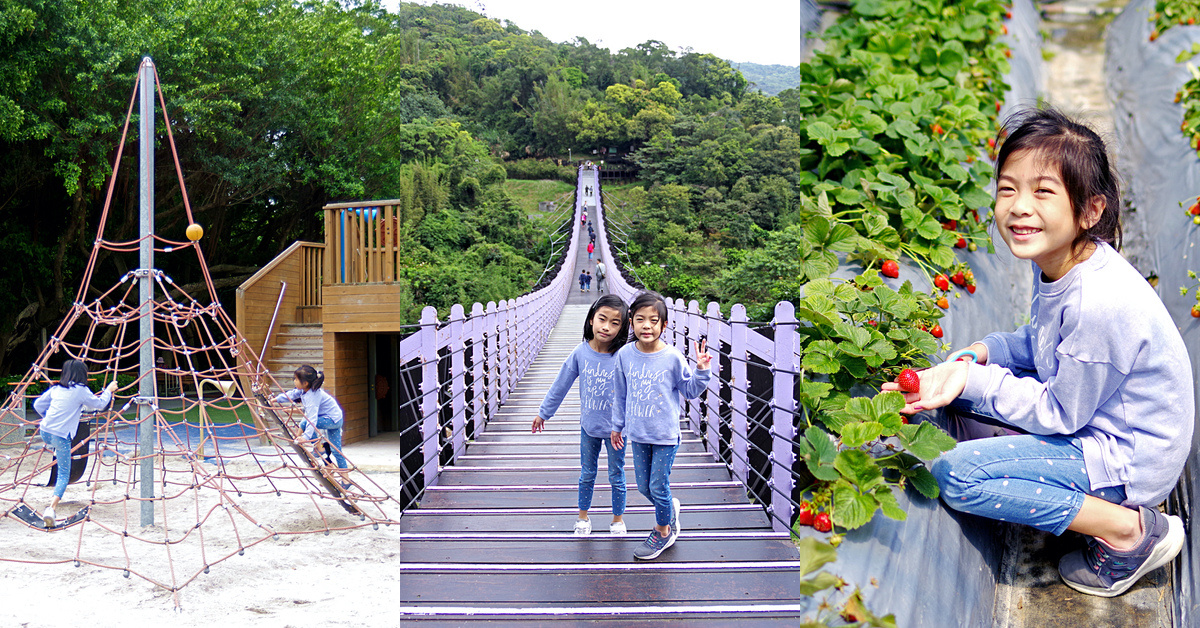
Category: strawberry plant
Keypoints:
(1170, 13)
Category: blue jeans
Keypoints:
(333, 432)
(589, 460)
(62, 451)
(1036, 480)
(652, 468)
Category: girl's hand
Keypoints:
(978, 348)
(703, 360)
(538, 424)
(617, 441)
(940, 385)
(111, 387)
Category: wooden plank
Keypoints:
(452, 476)
(550, 498)
(734, 586)
(600, 548)
(637, 518)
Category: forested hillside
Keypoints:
(769, 79)
(279, 108)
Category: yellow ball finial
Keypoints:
(195, 232)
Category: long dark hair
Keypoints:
(615, 302)
(310, 376)
(1082, 160)
(74, 373)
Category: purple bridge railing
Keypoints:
(462, 369)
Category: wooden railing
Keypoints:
(362, 240)
(300, 266)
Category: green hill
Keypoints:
(770, 79)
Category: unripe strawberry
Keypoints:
(972, 247)
(1153, 35)
(943, 303)
(1003, 29)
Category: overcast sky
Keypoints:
(755, 31)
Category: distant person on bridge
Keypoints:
(1098, 385)
(593, 363)
(650, 377)
(591, 248)
(582, 279)
(600, 275)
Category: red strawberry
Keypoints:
(1195, 210)
(997, 106)
(1008, 15)
(936, 331)
(959, 278)
(822, 522)
(941, 281)
(1191, 21)
(1004, 29)
(937, 128)
(1008, 52)
(909, 381)
(971, 288)
(992, 140)
(1196, 311)
(1153, 35)
(890, 269)
(943, 303)
(950, 225)
(873, 323)
(804, 516)
(961, 244)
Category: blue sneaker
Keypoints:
(1106, 572)
(654, 545)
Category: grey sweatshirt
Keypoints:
(595, 373)
(1111, 368)
(646, 404)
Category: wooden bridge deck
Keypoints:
(493, 540)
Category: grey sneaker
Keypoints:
(675, 529)
(1106, 572)
(654, 545)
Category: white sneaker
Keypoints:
(675, 529)
(583, 527)
(48, 517)
(617, 528)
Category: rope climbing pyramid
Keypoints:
(193, 462)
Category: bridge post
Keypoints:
(783, 427)
(458, 419)
(491, 332)
(739, 355)
(716, 330)
(478, 389)
(430, 433)
(506, 348)
(692, 334)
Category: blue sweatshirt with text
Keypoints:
(646, 402)
(594, 370)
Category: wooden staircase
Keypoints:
(295, 344)
(493, 540)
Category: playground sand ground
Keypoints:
(345, 578)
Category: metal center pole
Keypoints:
(146, 378)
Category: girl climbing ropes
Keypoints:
(605, 330)
(1099, 379)
(60, 407)
(321, 410)
(650, 377)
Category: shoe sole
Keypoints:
(669, 543)
(1162, 554)
(48, 521)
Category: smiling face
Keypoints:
(647, 326)
(1034, 215)
(606, 322)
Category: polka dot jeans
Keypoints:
(652, 468)
(1035, 480)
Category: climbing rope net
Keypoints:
(227, 472)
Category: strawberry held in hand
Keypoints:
(908, 381)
